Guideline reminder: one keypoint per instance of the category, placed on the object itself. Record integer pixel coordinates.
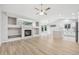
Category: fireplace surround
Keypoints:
(27, 32)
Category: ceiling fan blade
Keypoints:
(37, 13)
(36, 8)
(47, 9)
(45, 13)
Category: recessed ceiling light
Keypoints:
(73, 14)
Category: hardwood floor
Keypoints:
(45, 45)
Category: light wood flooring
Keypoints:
(43, 45)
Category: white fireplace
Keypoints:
(26, 31)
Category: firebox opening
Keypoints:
(27, 33)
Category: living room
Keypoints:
(38, 26)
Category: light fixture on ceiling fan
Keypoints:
(42, 11)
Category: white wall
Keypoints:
(14, 31)
(4, 27)
(0, 25)
(1, 22)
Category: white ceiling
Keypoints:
(28, 10)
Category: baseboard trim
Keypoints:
(10, 40)
(0, 43)
(16, 39)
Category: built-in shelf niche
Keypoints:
(37, 23)
(14, 32)
(27, 23)
(12, 21)
(36, 31)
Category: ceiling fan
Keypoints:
(42, 11)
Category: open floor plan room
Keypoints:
(39, 29)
